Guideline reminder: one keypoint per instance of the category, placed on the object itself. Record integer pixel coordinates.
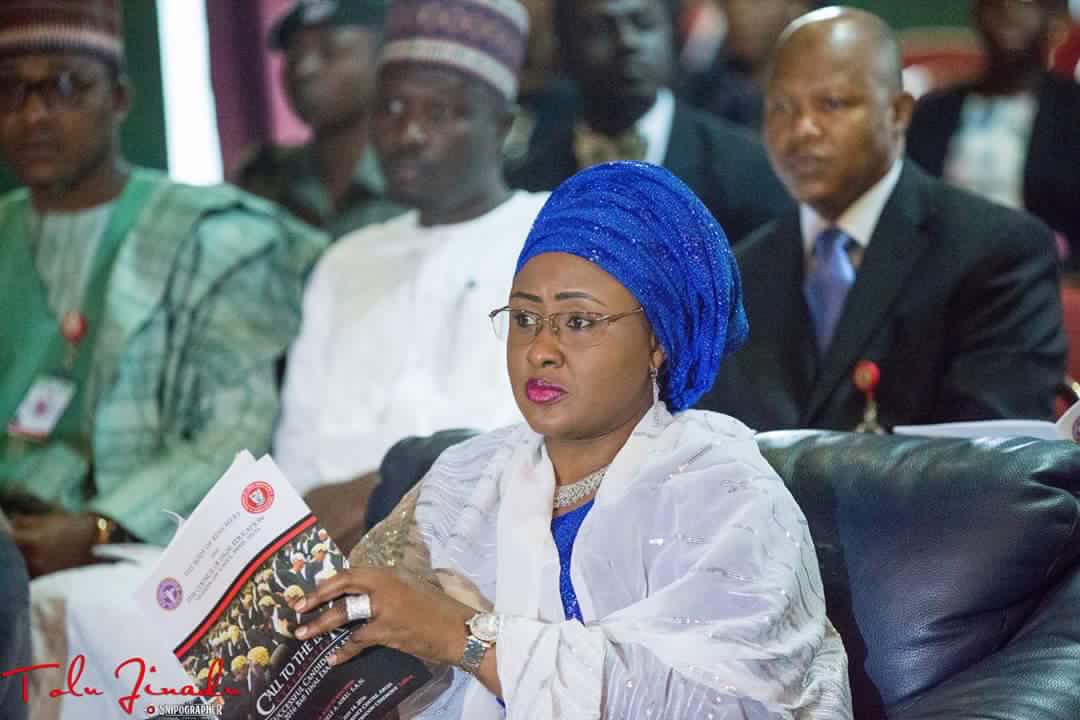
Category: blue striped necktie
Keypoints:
(828, 281)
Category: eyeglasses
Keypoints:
(64, 90)
(573, 329)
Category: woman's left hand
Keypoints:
(420, 621)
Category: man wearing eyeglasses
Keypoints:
(395, 339)
(141, 319)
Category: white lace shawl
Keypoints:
(694, 570)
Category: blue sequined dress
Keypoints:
(565, 529)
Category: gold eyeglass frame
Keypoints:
(551, 320)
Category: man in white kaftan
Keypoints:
(395, 338)
(396, 341)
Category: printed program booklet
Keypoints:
(220, 597)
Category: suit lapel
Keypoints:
(549, 162)
(800, 363)
(563, 161)
(898, 243)
(778, 312)
(1043, 146)
(948, 121)
(684, 153)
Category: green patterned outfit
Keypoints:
(191, 295)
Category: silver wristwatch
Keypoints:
(483, 634)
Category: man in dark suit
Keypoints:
(620, 54)
(954, 298)
(237, 680)
(248, 615)
(1013, 134)
(299, 573)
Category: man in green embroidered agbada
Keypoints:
(140, 319)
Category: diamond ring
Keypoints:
(357, 607)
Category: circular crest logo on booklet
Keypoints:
(169, 593)
(257, 497)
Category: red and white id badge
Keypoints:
(40, 411)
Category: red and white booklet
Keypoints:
(220, 596)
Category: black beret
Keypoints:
(311, 13)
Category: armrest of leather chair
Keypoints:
(1036, 676)
(14, 626)
(404, 465)
(936, 553)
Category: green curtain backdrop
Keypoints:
(144, 131)
(903, 14)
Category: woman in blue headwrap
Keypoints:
(618, 555)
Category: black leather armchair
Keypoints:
(951, 567)
(14, 626)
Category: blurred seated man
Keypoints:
(621, 55)
(334, 181)
(954, 298)
(395, 340)
(545, 95)
(1014, 134)
(732, 87)
(149, 314)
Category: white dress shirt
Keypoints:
(395, 341)
(989, 151)
(860, 219)
(655, 127)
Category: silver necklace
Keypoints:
(574, 493)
